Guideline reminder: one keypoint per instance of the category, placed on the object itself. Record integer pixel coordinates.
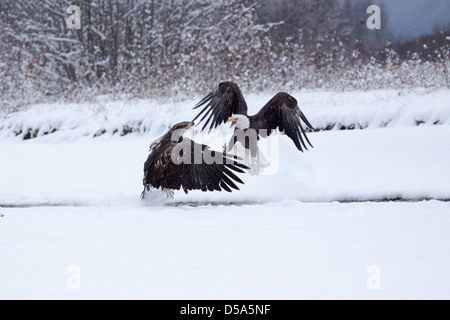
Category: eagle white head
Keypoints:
(240, 121)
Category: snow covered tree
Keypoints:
(148, 48)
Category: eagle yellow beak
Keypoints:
(233, 122)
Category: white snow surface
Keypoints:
(371, 164)
(283, 250)
(67, 199)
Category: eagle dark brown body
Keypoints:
(177, 162)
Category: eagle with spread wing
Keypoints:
(227, 104)
(177, 162)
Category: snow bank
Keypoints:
(326, 110)
(357, 165)
(400, 161)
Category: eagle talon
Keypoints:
(169, 193)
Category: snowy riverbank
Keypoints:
(72, 225)
(325, 109)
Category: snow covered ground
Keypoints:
(283, 250)
(372, 164)
(70, 211)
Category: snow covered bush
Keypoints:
(180, 48)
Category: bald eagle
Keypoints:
(177, 162)
(227, 104)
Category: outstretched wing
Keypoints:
(192, 166)
(221, 104)
(282, 112)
